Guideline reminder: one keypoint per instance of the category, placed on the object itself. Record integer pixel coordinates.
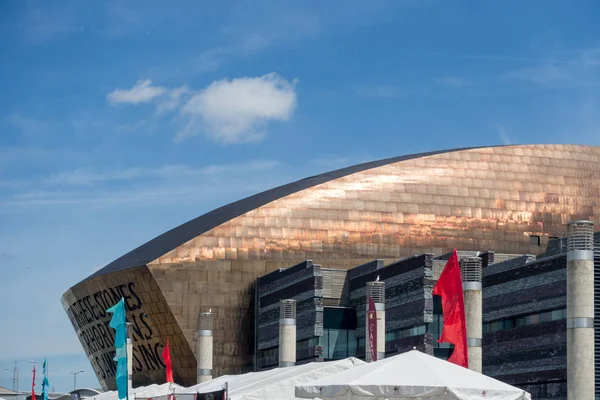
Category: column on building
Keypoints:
(580, 310)
(375, 290)
(204, 350)
(471, 271)
(287, 333)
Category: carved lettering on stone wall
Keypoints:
(90, 320)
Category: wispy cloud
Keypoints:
(161, 184)
(176, 97)
(454, 81)
(93, 177)
(541, 74)
(379, 92)
(503, 135)
(237, 110)
(141, 92)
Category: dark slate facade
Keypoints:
(524, 320)
(303, 283)
(409, 305)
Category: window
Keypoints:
(524, 320)
(339, 333)
(534, 240)
(338, 344)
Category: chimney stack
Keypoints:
(580, 310)
(287, 333)
(376, 290)
(204, 348)
(471, 272)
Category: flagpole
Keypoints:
(129, 361)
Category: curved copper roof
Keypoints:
(170, 240)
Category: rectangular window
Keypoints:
(534, 240)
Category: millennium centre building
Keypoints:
(396, 218)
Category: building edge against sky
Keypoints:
(507, 199)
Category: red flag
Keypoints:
(372, 329)
(33, 385)
(166, 354)
(449, 287)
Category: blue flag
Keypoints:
(117, 322)
(45, 383)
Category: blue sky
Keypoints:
(122, 119)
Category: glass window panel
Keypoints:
(352, 343)
(333, 339)
(341, 346)
(325, 343)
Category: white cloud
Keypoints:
(237, 110)
(379, 91)
(174, 101)
(454, 81)
(142, 92)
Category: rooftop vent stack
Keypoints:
(376, 290)
(287, 333)
(470, 268)
(205, 347)
(580, 310)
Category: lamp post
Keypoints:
(75, 378)
(15, 379)
(47, 370)
(42, 364)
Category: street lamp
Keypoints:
(42, 364)
(47, 370)
(75, 378)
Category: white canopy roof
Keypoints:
(145, 392)
(274, 384)
(411, 375)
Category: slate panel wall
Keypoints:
(408, 285)
(532, 357)
(303, 283)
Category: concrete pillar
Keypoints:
(129, 344)
(376, 290)
(580, 310)
(471, 271)
(204, 348)
(287, 333)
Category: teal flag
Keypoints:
(117, 322)
(45, 383)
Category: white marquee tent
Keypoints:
(411, 375)
(143, 392)
(277, 383)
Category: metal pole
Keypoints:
(75, 378)
(129, 361)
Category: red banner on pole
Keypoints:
(449, 287)
(167, 358)
(372, 329)
(33, 385)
